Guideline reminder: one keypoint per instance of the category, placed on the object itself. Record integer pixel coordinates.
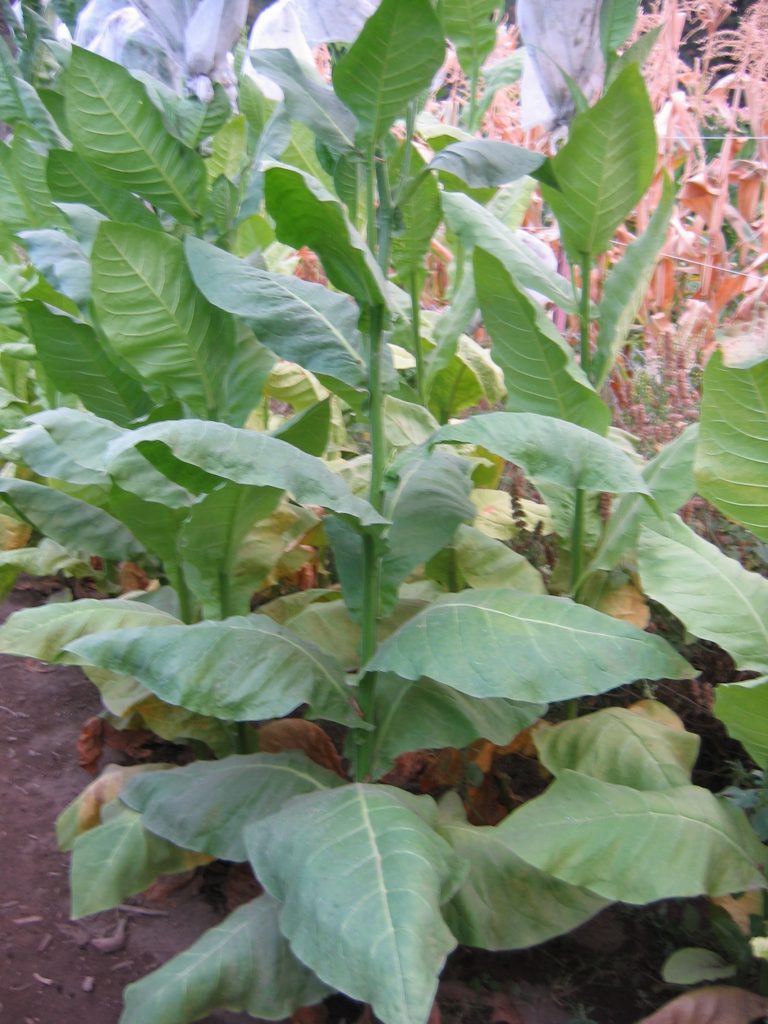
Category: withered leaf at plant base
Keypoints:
(297, 734)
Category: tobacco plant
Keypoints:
(165, 233)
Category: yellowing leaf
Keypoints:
(741, 907)
(13, 534)
(657, 712)
(627, 604)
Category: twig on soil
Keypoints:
(127, 908)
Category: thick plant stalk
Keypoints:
(579, 508)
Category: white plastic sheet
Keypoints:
(559, 35)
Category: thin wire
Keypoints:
(716, 138)
(706, 266)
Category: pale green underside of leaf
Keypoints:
(377, 932)
(118, 859)
(500, 643)
(302, 322)
(540, 371)
(551, 450)
(70, 522)
(206, 806)
(504, 902)
(424, 714)
(475, 225)
(487, 563)
(242, 964)
(743, 707)
(47, 559)
(732, 458)
(713, 595)
(624, 844)
(44, 632)
(620, 746)
(239, 669)
(117, 130)
(486, 163)
(669, 477)
(394, 58)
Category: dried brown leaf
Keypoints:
(90, 745)
(296, 734)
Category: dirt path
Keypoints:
(50, 973)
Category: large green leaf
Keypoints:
(35, 448)
(61, 260)
(714, 595)
(308, 99)
(732, 456)
(743, 707)
(242, 456)
(118, 859)
(206, 806)
(476, 225)
(624, 844)
(669, 475)
(209, 542)
(44, 632)
(302, 322)
(470, 26)
(376, 933)
(617, 19)
(424, 714)
(71, 180)
(431, 500)
(540, 370)
(116, 129)
(25, 201)
(20, 104)
(72, 523)
(240, 669)
(486, 163)
(627, 285)
(604, 169)
(156, 319)
(486, 563)
(551, 450)
(624, 746)
(244, 963)
(306, 214)
(392, 61)
(504, 902)
(501, 643)
(76, 360)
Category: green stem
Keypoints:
(405, 170)
(586, 355)
(421, 383)
(473, 81)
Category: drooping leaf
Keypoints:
(76, 360)
(72, 180)
(424, 714)
(44, 632)
(418, 216)
(504, 902)
(551, 450)
(486, 563)
(306, 214)
(470, 26)
(118, 859)
(46, 559)
(540, 370)
(476, 225)
(621, 746)
(243, 964)
(604, 168)
(156, 319)
(116, 129)
(486, 163)
(743, 708)
(25, 201)
(627, 285)
(440, 486)
(377, 934)
(72, 523)
(207, 805)
(392, 61)
(467, 378)
(669, 475)
(244, 457)
(308, 99)
(60, 259)
(618, 842)
(501, 643)
(714, 595)
(732, 456)
(302, 322)
(35, 448)
(638, 53)
(239, 669)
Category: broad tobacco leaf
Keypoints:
(382, 872)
